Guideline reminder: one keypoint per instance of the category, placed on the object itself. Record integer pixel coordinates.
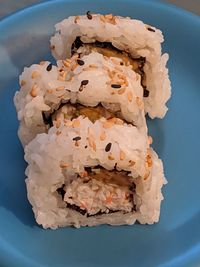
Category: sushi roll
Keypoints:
(86, 173)
(135, 43)
(94, 80)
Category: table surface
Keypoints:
(9, 6)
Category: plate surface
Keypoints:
(175, 240)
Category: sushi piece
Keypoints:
(90, 173)
(97, 80)
(135, 43)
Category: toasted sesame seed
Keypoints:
(139, 102)
(49, 67)
(76, 123)
(89, 16)
(109, 16)
(131, 163)
(121, 91)
(103, 136)
(64, 165)
(107, 124)
(84, 82)
(76, 19)
(102, 18)
(149, 161)
(58, 132)
(33, 91)
(68, 123)
(22, 83)
(117, 86)
(93, 66)
(66, 63)
(108, 147)
(130, 96)
(58, 123)
(110, 156)
(49, 91)
(60, 88)
(77, 143)
(74, 66)
(122, 155)
(146, 175)
(80, 62)
(77, 138)
(150, 140)
(35, 74)
(42, 63)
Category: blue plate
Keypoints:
(175, 240)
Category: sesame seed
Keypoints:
(84, 82)
(130, 96)
(76, 123)
(64, 165)
(110, 156)
(22, 83)
(52, 47)
(49, 67)
(77, 138)
(108, 147)
(42, 63)
(109, 16)
(102, 18)
(86, 147)
(35, 74)
(60, 88)
(49, 91)
(122, 155)
(150, 140)
(150, 29)
(131, 163)
(121, 91)
(116, 86)
(58, 123)
(145, 93)
(76, 19)
(146, 175)
(66, 63)
(58, 132)
(33, 91)
(89, 16)
(80, 62)
(103, 136)
(107, 124)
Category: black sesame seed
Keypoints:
(89, 16)
(80, 62)
(84, 82)
(77, 138)
(121, 63)
(49, 67)
(108, 147)
(116, 86)
(150, 29)
(145, 93)
(85, 147)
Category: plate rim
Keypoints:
(17, 257)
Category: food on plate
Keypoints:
(87, 172)
(83, 127)
(100, 80)
(135, 43)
